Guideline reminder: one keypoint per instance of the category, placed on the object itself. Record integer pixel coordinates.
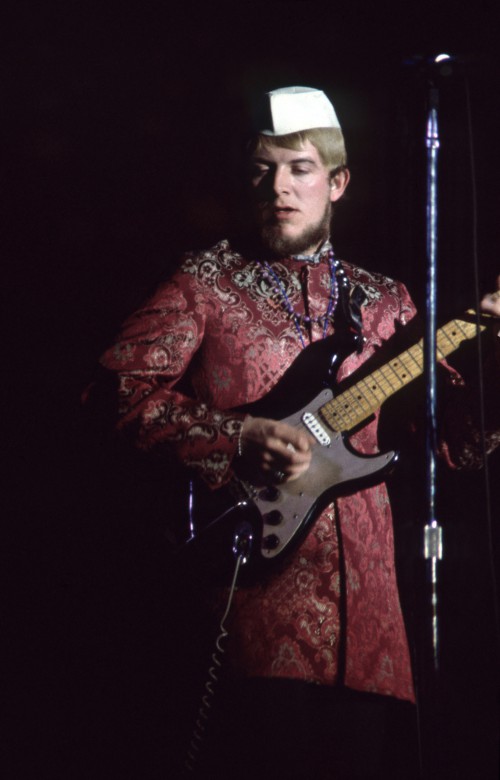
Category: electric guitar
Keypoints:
(264, 523)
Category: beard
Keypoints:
(284, 246)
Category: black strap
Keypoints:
(350, 303)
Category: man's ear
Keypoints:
(338, 184)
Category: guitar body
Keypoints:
(275, 518)
(264, 523)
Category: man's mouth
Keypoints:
(281, 212)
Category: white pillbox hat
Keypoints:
(292, 109)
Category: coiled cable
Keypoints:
(191, 761)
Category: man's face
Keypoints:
(293, 194)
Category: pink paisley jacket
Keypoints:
(218, 328)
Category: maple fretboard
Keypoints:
(353, 406)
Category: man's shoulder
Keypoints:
(221, 256)
(363, 275)
(374, 284)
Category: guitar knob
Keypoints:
(270, 542)
(269, 493)
(272, 518)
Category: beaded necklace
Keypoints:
(301, 319)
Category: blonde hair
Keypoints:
(329, 142)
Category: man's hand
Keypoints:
(491, 302)
(272, 452)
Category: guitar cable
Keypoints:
(241, 549)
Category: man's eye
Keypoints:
(259, 170)
(300, 171)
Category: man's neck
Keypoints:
(316, 256)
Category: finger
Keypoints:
(288, 459)
(298, 439)
(491, 303)
(294, 439)
(297, 470)
(291, 469)
(279, 476)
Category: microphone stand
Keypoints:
(433, 543)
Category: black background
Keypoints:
(120, 151)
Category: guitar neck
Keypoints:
(358, 403)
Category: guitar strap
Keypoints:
(350, 302)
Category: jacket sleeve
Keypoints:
(150, 365)
(461, 433)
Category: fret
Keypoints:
(406, 360)
(442, 341)
(385, 377)
(393, 367)
(374, 387)
(349, 408)
(417, 348)
(357, 403)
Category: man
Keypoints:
(320, 639)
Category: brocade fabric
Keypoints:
(214, 337)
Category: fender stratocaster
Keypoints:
(276, 517)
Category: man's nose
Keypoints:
(281, 180)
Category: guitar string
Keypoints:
(337, 407)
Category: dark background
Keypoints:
(121, 150)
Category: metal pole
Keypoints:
(433, 546)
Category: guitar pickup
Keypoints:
(317, 430)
